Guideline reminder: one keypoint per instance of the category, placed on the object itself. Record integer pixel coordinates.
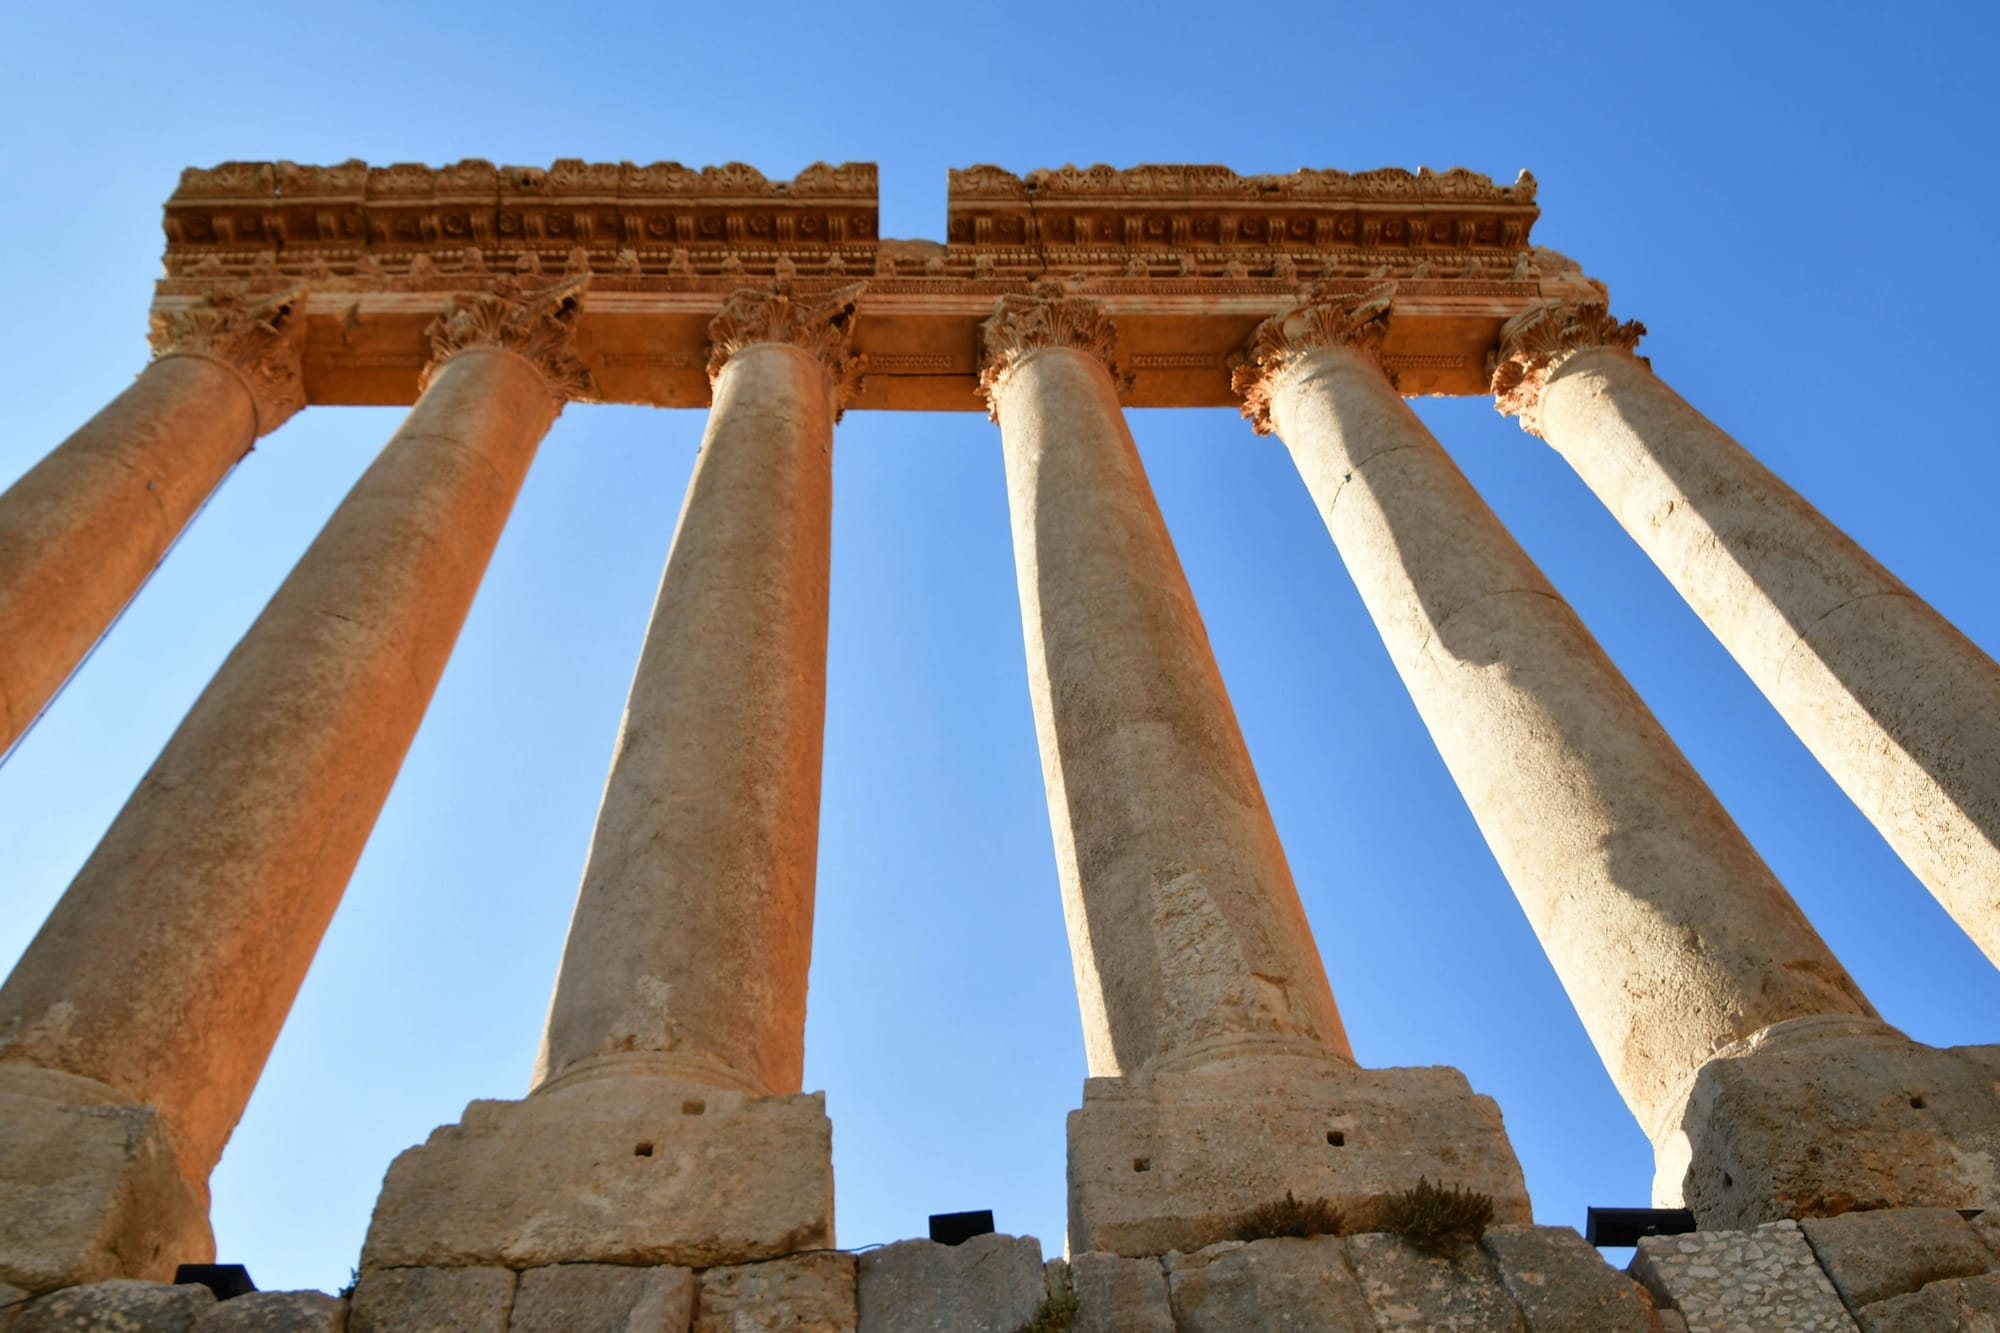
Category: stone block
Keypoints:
(1267, 1285)
(276, 1312)
(603, 1298)
(1986, 1226)
(89, 1188)
(619, 1169)
(1115, 1294)
(432, 1300)
(1172, 1161)
(1819, 1117)
(1875, 1255)
(1458, 1291)
(1955, 1305)
(990, 1284)
(11, 1300)
(1562, 1284)
(118, 1306)
(1726, 1281)
(808, 1293)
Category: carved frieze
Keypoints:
(823, 325)
(255, 336)
(1052, 317)
(1535, 343)
(1359, 320)
(536, 323)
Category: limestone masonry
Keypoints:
(667, 1170)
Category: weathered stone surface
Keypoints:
(12, 1298)
(613, 1169)
(432, 1300)
(1817, 1117)
(276, 1312)
(1282, 1284)
(1741, 1282)
(990, 1284)
(1955, 1305)
(1173, 1161)
(89, 1186)
(1408, 1289)
(1562, 1284)
(1875, 1255)
(1987, 1227)
(603, 1298)
(118, 1306)
(1115, 1294)
(808, 1293)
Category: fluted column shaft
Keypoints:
(1671, 936)
(1896, 704)
(167, 968)
(692, 934)
(1185, 928)
(85, 527)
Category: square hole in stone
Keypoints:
(1142, 1164)
(643, 1150)
(693, 1106)
(1337, 1138)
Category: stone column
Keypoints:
(134, 1028)
(1895, 703)
(82, 530)
(1221, 1076)
(665, 1123)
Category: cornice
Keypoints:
(822, 325)
(537, 324)
(256, 336)
(1356, 320)
(1052, 317)
(1535, 344)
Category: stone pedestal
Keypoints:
(1173, 1161)
(1822, 1116)
(612, 1166)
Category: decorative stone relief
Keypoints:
(1358, 320)
(538, 323)
(822, 325)
(255, 336)
(1050, 318)
(1535, 343)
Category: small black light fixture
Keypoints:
(958, 1228)
(1624, 1226)
(225, 1280)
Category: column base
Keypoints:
(89, 1186)
(1819, 1116)
(615, 1167)
(1172, 1161)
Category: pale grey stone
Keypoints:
(1459, 1290)
(807, 1293)
(1742, 1281)
(1055, 1276)
(1875, 1255)
(1116, 1294)
(1955, 1305)
(1562, 1283)
(432, 1300)
(11, 1301)
(276, 1312)
(990, 1284)
(1285, 1284)
(1987, 1227)
(603, 1298)
(117, 1306)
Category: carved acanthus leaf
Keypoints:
(256, 336)
(822, 325)
(536, 323)
(1053, 317)
(1535, 344)
(1358, 320)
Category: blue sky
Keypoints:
(1794, 198)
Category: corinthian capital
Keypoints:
(1358, 320)
(255, 336)
(1023, 324)
(537, 324)
(1535, 343)
(822, 325)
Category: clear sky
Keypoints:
(1797, 199)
